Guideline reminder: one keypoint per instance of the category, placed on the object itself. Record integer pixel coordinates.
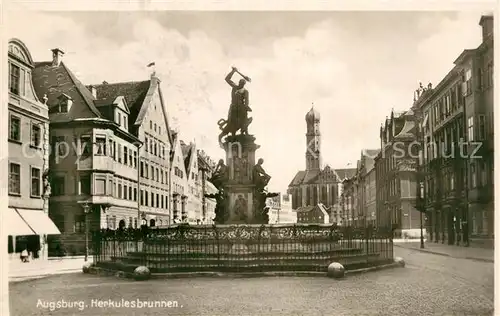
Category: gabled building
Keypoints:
(178, 181)
(26, 220)
(317, 214)
(396, 173)
(194, 199)
(367, 175)
(206, 167)
(148, 122)
(280, 210)
(93, 162)
(317, 184)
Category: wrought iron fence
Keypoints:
(299, 247)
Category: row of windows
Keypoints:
(157, 174)
(178, 172)
(120, 153)
(153, 126)
(155, 147)
(155, 200)
(15, 131)
(121, 119)
(15, 180)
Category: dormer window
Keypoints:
(64, 104)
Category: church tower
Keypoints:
(313, 140)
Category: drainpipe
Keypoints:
(139, 185)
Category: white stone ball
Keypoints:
(399, 261)
(142, 273)
(336, 270)
(86, 267)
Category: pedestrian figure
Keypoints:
(24, 255)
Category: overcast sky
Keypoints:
(354, 66)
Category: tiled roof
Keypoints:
(49, 79)
(186, 154)
(305, 209)
(297, 180)
(311, 176)
(134, 93)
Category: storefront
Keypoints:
(27, 230)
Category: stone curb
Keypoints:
(181, 275)
(446, 254)
(16, 279)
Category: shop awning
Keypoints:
(13, 224)
(39, 222)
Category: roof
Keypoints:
(46, 77)
(186, 153)
(134, 93)
(346, 173)
(311, 176)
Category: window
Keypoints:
(110, 189)
(120, 192)
(157, 200)
(135, 222)
(14, 178)
(36, 182)
(159, 130)
(484, 179)
(85, 146)
(146, 144)
(57, 185)
(125, 155)
(130, 159)
(15, 128)
(119, 153)
(150, 124)
(152, 199)
(79, 224)
(100, 186)
(468, 84)
(130, 222)
(125, 191)
(130, 193)
(36, 135)
(100, 146)
(146, 170)
(14, 79)
(135, 194)
(114, 151)
(155, 127)
(110, 152)
(142, 197)
(473, 177)
(85, 185)
(142, 169)
(162, 201)
(161, 176)
(489, 73)
(157, 174)
(447, 104)
(479, 79)
(151, 150)
(482, 127)
(152, 173)
(470, 129)
(135, 159)
(146, 198)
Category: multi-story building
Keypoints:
(194, 199)
(351, 215)
(280, 210)
(458, 111)
(178, 181)
(147, 121)
(396, 175)
(317, 184)
(317, 214)
(368, 174)
(93, 180)
(206, 166)
(26, 220)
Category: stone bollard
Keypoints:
(336, 270)
(400, 261)
(86, 267)
(142, 273)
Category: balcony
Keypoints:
(90, 163)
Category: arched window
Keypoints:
(308, 196)
(121, 224)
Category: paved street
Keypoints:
(429, 285)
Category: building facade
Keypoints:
(396, 176)
(368, 173)
(26, 220)
(280, 210)
(206, 166)
(178, 182)
(458, 136)
(316, 184)
(148, 122)
(317, 214)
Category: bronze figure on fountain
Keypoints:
(237, 117)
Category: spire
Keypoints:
(312, 115)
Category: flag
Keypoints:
(151, 64)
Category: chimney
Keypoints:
(486, 23)
(57, 55)
(93, 89)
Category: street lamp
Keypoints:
(86, 209)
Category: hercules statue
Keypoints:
(237, 118)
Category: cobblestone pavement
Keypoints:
(428, 285)
(474, 253)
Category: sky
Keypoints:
(354, 66)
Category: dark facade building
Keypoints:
(396, 175)
(317, 214)
(458, 135)
(317, 184)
